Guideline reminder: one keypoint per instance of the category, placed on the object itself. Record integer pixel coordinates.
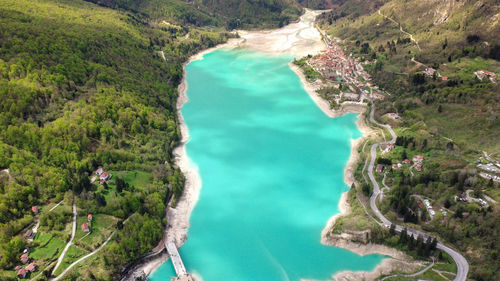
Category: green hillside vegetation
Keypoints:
(449, 120)
(83, 86)
(225, 13)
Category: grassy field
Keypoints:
(102, 227)
(50, 246)
(74, 253)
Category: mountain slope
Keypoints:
(429, 58)
(83, 86)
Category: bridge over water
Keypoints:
(176, 259)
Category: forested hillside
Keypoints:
(224, 13)
(82, 87)
(437, 65)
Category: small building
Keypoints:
(21, 273)
(85, 227)
(418, 158)
(419, 168)
(99, 171)
(444, 78)
(105, 176)
(407, 161)
(429, 71)
(394, 115)
(380, 168)
(31, 267)
(29, 234)
(25, 258)
(89, 217)
(34, 209)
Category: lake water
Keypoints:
(272, 168)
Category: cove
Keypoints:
(272, 169)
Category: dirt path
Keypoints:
(70, 242)
(413, 274)
(401, 29)
(57, 205)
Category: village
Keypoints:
(44, 250)
(344, 72)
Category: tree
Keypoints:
(392, 230)
(420, 245)
(440, 108)
(367, 189)
(403, 236)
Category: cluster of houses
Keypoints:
(103, 176)
(481, 74)
(417, 160)
(31, 267)
(334, 63)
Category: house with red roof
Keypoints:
(418, 158)
(25, 258)
(99, 171)
(89, 217)
(31, 267)
(34, 209)
(85, 227)
(105, 176)
(21, 273)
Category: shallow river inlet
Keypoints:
(272, 169)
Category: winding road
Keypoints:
(462, 264)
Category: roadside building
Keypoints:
(380, 168)
(34, 209)
(89, 217)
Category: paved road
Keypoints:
(462, 265)
(61, 257)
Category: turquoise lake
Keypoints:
(272, 169)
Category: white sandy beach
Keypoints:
(298, 40)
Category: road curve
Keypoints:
(462, 264)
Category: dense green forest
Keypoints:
(229, 14)
(83, 86)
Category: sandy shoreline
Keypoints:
(298, 39)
